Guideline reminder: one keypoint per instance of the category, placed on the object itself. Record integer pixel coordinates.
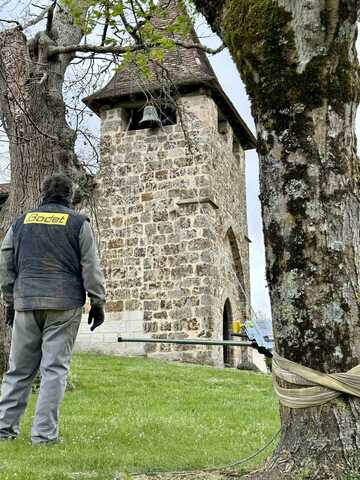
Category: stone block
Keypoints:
(166, 304)
(161, 175)
(146, 217)
(116, 243)
(174, 238)
(150, 275)
(137, 229)
(132, 241)
(150, 229)
(204, 269)
(171, 249)
(182, 271)
(117, 306)
(160, 216)
(159, 239)
(151, 305)
(132, 304)
(148, 316)
(165, 326)
(117, 222)
(147, 263)
(199, 244)
(192, 324)
(165, 228)
(184, 222)
(150, 327)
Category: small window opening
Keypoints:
(223, 127)
(236, 147)
(223, 124)
(167, 116)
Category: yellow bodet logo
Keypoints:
(47, 218)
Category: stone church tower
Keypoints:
(172, 208)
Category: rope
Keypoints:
(319, 388)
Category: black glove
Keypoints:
(96, 316)
(9, 315)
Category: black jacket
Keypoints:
(49, 259)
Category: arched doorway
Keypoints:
(227, 334)
(237, 265)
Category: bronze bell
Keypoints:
(150, 118)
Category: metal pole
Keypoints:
(187, 341)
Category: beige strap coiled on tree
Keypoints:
(319, 388)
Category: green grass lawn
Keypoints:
(136, 415)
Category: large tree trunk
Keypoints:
(299, 64)
(33, 114)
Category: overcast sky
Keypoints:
(231, 82)
(233, 86)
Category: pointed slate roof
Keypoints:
(187, 68)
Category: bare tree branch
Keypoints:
(37, 19)
(50, 17)
(11, 21)
(130, 29)
(118, 50)
(199, 46)
(33, 21)
(106, 26)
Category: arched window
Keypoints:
(238, 268)
(227, 333)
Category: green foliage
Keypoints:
(77, 10)
(137, 415)
(132, 22)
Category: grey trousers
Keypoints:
(41, 339)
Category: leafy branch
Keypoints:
(120, 50)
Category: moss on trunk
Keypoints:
(261, 40)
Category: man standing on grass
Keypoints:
(48, 261)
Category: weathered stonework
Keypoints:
(173, 229)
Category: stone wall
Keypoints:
(172, 223)
(105, 338)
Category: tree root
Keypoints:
(306, 471)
